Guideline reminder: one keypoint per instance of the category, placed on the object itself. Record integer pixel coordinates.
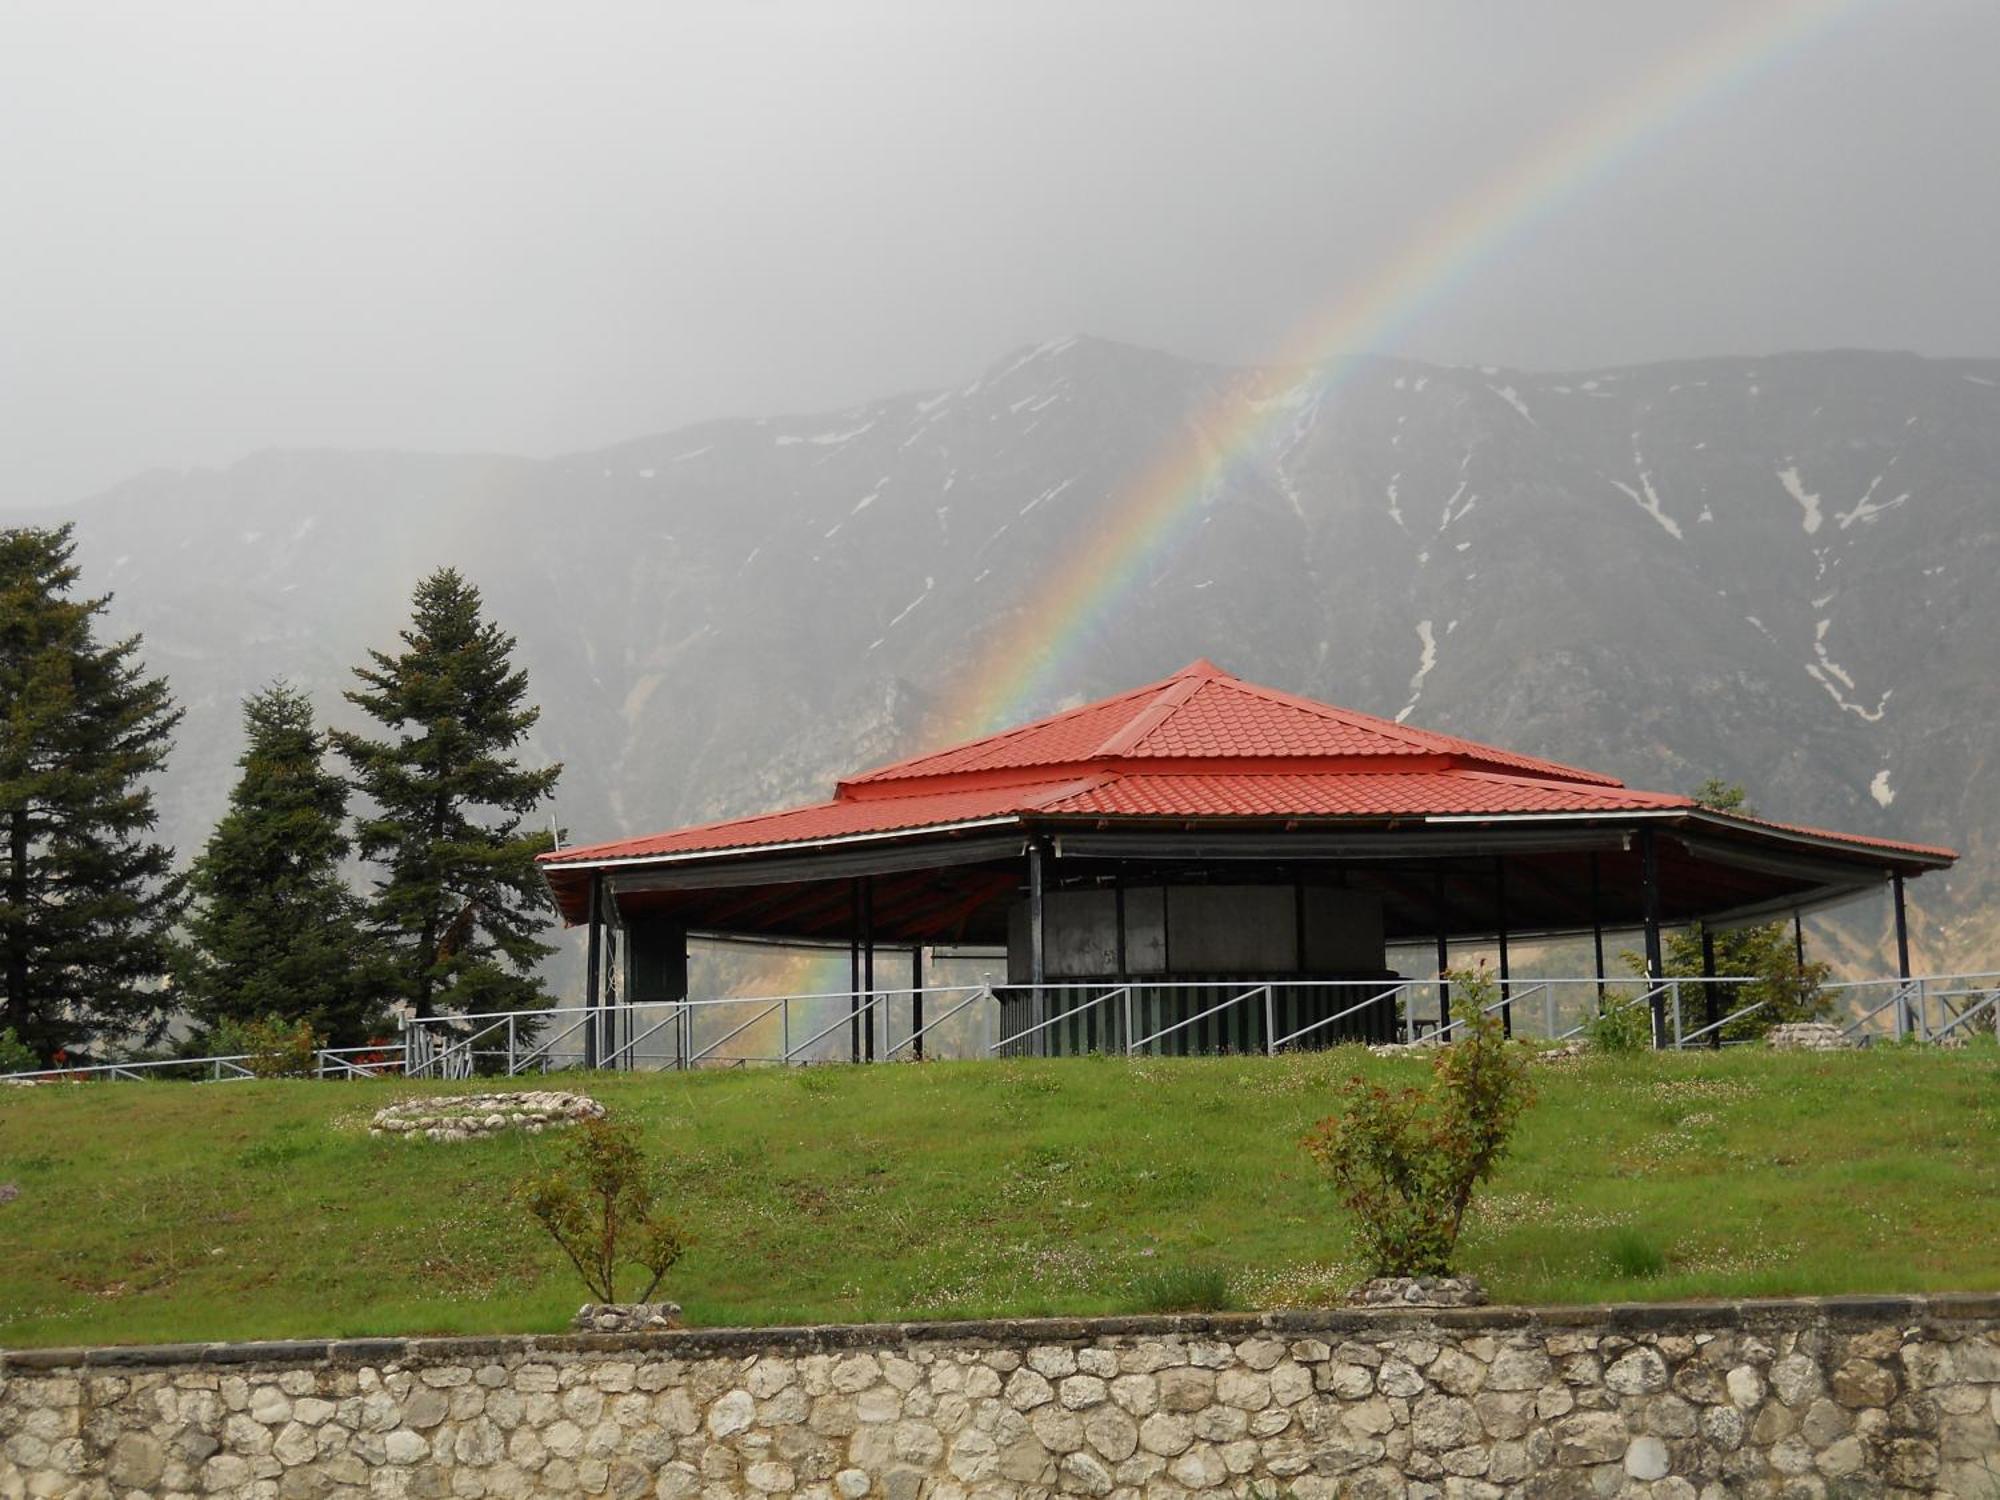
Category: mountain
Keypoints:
(1776, 570)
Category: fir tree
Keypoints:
(87, 899)
(460, 903)
(275, 931)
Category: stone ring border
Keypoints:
(464, 1117)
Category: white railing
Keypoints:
(1132, 1016)
(328, 1062)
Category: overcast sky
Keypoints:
(538, 227)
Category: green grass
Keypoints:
(171, 1211)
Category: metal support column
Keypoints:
(1649, 878)
(1443, 955)
(1712, 1002)
(1597, 925)
(1037, 972)
(854, 972)
(868, 967)
(1902, 929)
(917, 1002)
(1799, 938)
(1500, 932)
(1903, 948)
(593, 967)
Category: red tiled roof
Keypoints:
(1201, 712)
(1331, 795)
(1198, 745)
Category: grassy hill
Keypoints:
(171, 1211)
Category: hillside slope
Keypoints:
(1776, 570)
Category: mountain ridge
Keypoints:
(1769, 568)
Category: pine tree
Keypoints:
(87, 899)
(275, 931)
(460, 902)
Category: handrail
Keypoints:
(542, 1049)
(984, 992)
(846, 1020)
(1255, 989)
(728, 1035)
(1076, 1010)
(1734, 1015)
(1582, 1026)
(1340, 1015)
(677, 1009)
(1989, 1003)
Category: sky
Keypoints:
(534, 228)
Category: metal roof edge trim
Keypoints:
(736, 851)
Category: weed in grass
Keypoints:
(1178, 1289)
(1634, 1256)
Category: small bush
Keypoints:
(600, 1210)
(1177, 1289)
(1405, 1162)
(15, 1054)
(1634, 1256)
(272, 1047)
(1621, 1027)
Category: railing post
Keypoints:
(785, 1034)
(1129, 1032)
(1677, 1015)
(1549, 1011)
(1923, 1013)
(1902, 1011)
(1270, 1023)
(510, 1046)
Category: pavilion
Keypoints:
(1179, 841)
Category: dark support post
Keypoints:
(854, 973)
(868, 966)
(1597, 925)
(1500, 927)
(1444, 957)
(1712, 1001)
(1902, 929)
(1798, 938)
(917, 1001)
(1036, 969)
(1649, 877)
(593, 968)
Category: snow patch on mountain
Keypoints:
(1427, 641)
(1866, 509)
(1808, 501)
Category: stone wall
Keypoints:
(1841, 1397)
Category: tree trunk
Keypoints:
(17, 930)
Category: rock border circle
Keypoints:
(466, 1117)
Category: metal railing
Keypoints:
(373, 1061)
(1133, 1017)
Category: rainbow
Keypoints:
(1034, 656)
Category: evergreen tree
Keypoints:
(87, 899)
(275, 931)
(460, 902)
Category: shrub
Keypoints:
(1623, 1026)
(1405, 1161)
(15, 1055)
(600, 1209)
(272, 1047)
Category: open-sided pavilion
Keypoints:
(1202, 864)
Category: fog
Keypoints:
(531, 228)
